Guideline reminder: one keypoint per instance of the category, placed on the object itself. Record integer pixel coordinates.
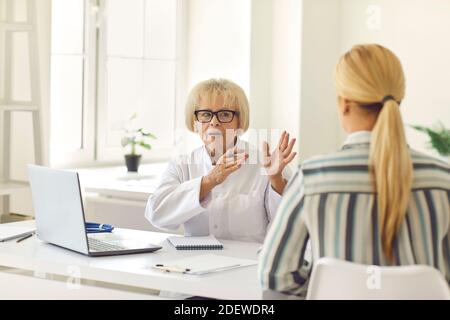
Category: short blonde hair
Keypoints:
(232, 94)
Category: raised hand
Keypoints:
(282, 155)
(228, 163)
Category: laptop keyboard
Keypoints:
(103, 245)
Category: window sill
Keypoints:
(116, 182)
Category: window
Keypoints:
(111, 59)
(70, 108)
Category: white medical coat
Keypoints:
(241, 208)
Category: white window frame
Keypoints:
(115, 155)
(86, 154)
(93, 152)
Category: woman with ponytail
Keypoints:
(375, 201)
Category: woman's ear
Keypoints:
(344, 106)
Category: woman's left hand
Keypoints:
(275, 162)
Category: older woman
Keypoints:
(216, 189)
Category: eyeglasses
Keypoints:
(224, 116)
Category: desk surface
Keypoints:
(132, 270)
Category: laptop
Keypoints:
(60, 218)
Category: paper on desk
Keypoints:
(206, 263)
(13, 232)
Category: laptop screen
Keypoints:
(58, 207)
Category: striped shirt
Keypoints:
(331, 205)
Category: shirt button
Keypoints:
(215, 226)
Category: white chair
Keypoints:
(334, 279)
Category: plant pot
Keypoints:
(132, 161)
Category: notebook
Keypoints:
(13, 232)
(196, 243)
(203, 264)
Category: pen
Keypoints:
(171, 269)
(26, 237)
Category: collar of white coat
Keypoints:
(357, 138)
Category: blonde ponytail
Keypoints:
(391, 169)
(366, 75)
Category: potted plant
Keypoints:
(133, 138)
(439, 139)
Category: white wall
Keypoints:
(218, 41)
(260, 62)
(418, 31)
(286, 54)
(319, 126)
(293, 55)
(275, 66)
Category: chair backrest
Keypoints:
(336, 279)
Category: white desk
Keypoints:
(132, 270)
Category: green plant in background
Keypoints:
(439, 138)
(136, 137)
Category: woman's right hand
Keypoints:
(228, 163)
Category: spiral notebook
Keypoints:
(196, 243)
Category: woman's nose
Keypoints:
(214, 121)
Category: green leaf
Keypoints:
(439, 138)
(146, 134)
(134, 137)
(149, 135)
(145, 145)
(420, 128)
